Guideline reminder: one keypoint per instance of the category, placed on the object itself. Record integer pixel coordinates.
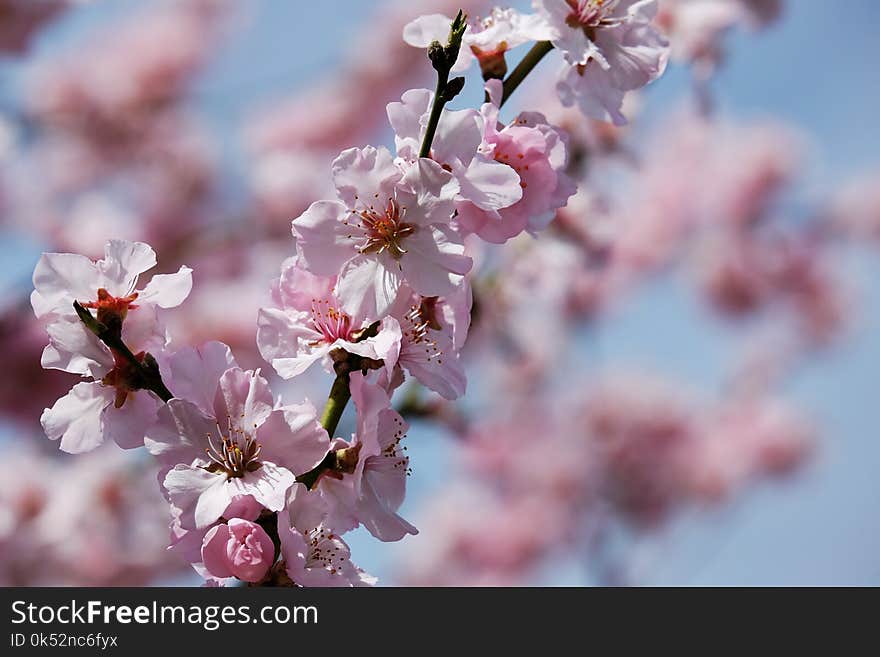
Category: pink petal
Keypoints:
(361, 173)
(323, 241)
(214, 551)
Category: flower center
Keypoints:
(385, 230)
(235, 456)
(394, 451)
(112, 310)
(326, 550)
(124, 376)
(331, 323)
(419, 322)
(590, 14)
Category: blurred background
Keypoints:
(672, 387)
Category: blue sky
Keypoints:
(816, 69)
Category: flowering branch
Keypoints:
(443, 59)
(379, 282)
(146, 375)
(533, 56)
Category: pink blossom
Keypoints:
(485, 39)
(247, 445)
(307, 324)
(313, 554)
(110, 405)
(610, 48)
(433, 332)
(483, 181)
(239, 549)
(537, 152)
(643, 431)
(389, 226)
(374, 491)
(187, 543)
(747, 439)
(62, 278)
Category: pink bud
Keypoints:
(239, 549)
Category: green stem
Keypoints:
(533, 56)
(436, 112)
(443, 58)
(340, 393)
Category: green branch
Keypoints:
(533, 56)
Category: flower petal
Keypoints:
(168, 290)
(76, 418)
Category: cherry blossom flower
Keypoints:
(433, 332)
(610, 48)
(108, 285)
(372, 492)
(537, 152)
(485, 39)
(313, 554)
(111, 406)
(246, 446)
(483, 181)
(187, 543)
(389, 226)
(238, 548)
(744, 439)
(307, 324)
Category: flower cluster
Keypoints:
(262, 489)
(473, 243)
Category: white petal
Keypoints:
(369, 285)
(123, 262)
(60, 279)
(198, 496)
(269, 485)
(284, 340)
(407, 121)
(168, 290)
(431, 191)
(73, 348)
(426, 29)
(459, 134)
(76, 417)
